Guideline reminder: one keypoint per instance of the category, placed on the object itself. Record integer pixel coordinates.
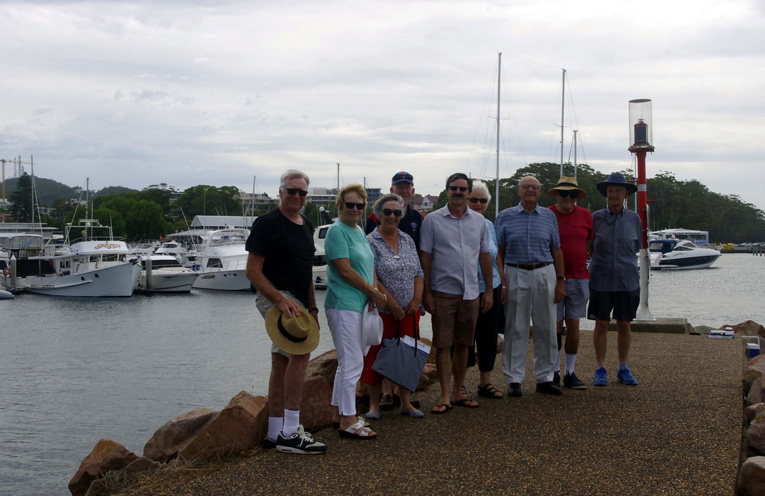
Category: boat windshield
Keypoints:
(229, 236)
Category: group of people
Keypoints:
(529, 266)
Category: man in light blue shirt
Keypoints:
(529, 247)
(453, 240)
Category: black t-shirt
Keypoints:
(288, 251)
(410, 224)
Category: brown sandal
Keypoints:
(489, 391)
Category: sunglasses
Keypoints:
(568, 194)
(396, 213)
(351, 205)
(458, 188)
(292, 191)
(478, 200)
(530, 186)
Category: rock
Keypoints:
(164, 444)
(106, 456)
(753, 369)
(143, 465)
(752, 478)
(429, 376)
(755, 434)
(500, 343)
(702, 329)
(324, 365)
(316, 409)
(97, 487)
(755, 392)
(753, 411)
(748, 328)
(239, 427)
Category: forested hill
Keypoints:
(48, 190)
(672, 203)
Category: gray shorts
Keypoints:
(574, 304)
(264, 305)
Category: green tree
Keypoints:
(22, 199)
(209, 200)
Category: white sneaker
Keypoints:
(300, 442)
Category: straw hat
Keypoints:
(567, 183)
(297, 335)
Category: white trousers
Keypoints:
(530, 297)
(345, 326)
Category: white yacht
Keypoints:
(224, 261)
(320, 257)
(165, 274)
(92, 266)
(680, 254)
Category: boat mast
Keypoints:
(496, 186)
(562, 111)
(575, 130)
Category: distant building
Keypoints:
(424, 203)
(260, 201)
(164, 187)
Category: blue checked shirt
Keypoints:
(528, 237)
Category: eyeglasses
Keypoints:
(568, 193)
(351, 205)
(530, 186)
(458, 188)
(396, 213)
(292, 191)
(478, 200)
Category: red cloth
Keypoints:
(390, 328)
(575, 229)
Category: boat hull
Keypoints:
(222, 280)
(697, 262)
(167, 282)
(110, 281)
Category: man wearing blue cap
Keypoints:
(402, 185)
(614, 275)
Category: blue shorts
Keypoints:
(574, 304)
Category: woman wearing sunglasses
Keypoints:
(400, 278)
(351, 290)
(487, 326)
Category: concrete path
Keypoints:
(676, 433)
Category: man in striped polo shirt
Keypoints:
(529, 247)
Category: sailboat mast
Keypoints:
(499, 85)
(562, 112)
(575, 130)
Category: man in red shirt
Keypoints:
(576, 235)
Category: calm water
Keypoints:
(73, 371)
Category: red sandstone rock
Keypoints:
(165, 443)
(142, 465)
(106, 456)
(753, 411)
(429, 376)
(316, 409)
(748, 328)
(324, 365)
(238, 427)
(755, 434)
(755, 392)
(754, 368)
(752, 479)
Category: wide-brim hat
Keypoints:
(296, 335)
(566, 183)
(616, 179)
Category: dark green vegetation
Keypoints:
(148, 214)
(672, 203)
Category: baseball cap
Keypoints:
(401, 177)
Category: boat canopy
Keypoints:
(26, 242)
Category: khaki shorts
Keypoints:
(454, 320)
(264, 305)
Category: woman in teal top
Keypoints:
(351, 290)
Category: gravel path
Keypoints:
(678, 432)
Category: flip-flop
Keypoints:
(489, 391)
(446, 407)
(465, 403)
(357, 431)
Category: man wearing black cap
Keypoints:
(402, 185)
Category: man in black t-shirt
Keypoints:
(402, 185)
(280, 267)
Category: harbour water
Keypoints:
(73, 371)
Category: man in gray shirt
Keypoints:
(614, 275)
(453, 240)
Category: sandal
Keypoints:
(489, 391)
(336, 425)
(465, 403)
(358, 431)
(446, 407)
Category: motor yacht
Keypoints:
(224, 261)
(165, 274)
(680, 254)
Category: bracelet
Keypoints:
(504, 287)
(311, 309)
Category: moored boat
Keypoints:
(165, 274)
(224, 261)
(680, 254)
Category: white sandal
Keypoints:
(358, 431)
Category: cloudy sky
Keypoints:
(205, 92)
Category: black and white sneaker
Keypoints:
(300, 442)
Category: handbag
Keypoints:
(371, 329)
(402, 360)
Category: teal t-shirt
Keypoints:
(345, 242)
